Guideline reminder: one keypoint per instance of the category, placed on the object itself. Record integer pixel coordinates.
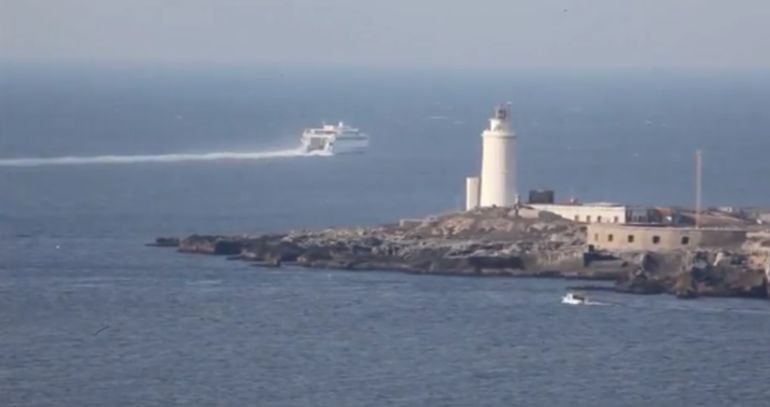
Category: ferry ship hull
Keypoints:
(338, 146)
(354, 146)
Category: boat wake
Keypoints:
(157, 158)
(585, 303)
(318, 153)
(578, 299)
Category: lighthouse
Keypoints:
(497, 184)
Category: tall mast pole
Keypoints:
(698, 190)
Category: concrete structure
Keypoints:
(541, 196)
(601, 212)
(472, 186)
(661, 238)
(498, 162)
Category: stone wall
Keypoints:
(660, 238)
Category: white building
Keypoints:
(601, 212)
(497, 184)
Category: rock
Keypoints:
(526, 213)
(495, 262)
(546, 216)
(215, 245)
(684, 286)
(640, 281)
(719, 274)
(767, 275)
(197, 244)
(271, 248)
(225, 247)
(494, 241)
(314, 254)
(648, 263)
(409, 223)
(165, 242)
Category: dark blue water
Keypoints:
(89, 316)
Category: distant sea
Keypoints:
(91, 317)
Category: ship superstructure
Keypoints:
(334, 139)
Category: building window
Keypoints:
(630, 238)
(588, 218)
(599, 219)
(610, 237)
(685, 240)
(596, 237)
(577, 218)
(656, 239)
(616, 219)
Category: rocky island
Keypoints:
(643, 250)
(514, 242)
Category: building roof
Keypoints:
(602, 204)
(582, 205)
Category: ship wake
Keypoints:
(157, 158)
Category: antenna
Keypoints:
(698, 189)
(515, 114)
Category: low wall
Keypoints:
(660, 238)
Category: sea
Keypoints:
(95, 162)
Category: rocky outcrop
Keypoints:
(767, 275)
(720, 274)
(497, 242)
(492, 241)
(694, 274)
(215, 245)
(165, 242)
(644, 277)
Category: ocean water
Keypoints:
(89, 316)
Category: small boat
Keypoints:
(334, 139)
(574, 299)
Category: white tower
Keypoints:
(472, 193)
(498, 161)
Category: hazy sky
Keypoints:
(421, 33)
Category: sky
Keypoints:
(409, 33)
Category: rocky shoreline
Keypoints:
(499, 242)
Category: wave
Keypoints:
(157, 158)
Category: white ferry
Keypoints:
(334, 139)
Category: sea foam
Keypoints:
(157, 158)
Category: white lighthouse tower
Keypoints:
(497, 186)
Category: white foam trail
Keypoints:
(160, 158)
(319, 153)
